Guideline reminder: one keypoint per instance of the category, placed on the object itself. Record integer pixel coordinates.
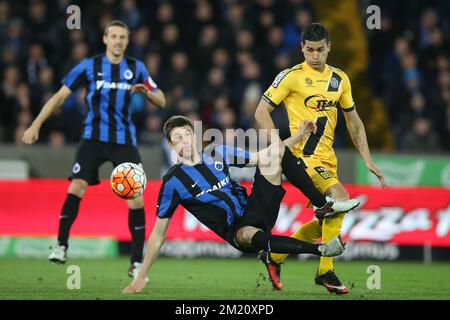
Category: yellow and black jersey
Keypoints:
(309, 94)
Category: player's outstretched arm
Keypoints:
(157, 98)
(154, 245)
(357, 132)
(56, 101)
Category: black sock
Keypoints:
(282, 244)
(69, 213)
(136, 224)
(296, 174)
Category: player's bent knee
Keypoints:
(78, 187)
(136, 203)
(245, 234)
(338, 192)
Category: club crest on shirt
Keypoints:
(76, 168)
(218, 165)
(128, 74)
(335, 81)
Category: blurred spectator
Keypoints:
(207, 42)
(213, 87)
(180, 73)
(164, 16)
(152, 61)
(224, 119)
(214, 59)
(129, 13)
(413, 77)
(221, 60)
(14, 37)
(428, 21)
(235, 17)
(293, 30)
(36, 61)
(421, 138)
(56, 139)
(5, 11)
(140, 42)
(10, 80)
(251, 98)
(153, 130)
(38, 21)
(170, 41)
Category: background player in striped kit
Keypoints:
(108, 131)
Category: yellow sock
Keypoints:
(309, 232)
(331, 228)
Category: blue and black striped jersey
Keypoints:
(206, 189)
(108, 96)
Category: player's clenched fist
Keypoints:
(30, 135)
(136, 286)
(306, 127)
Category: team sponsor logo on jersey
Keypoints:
(112, 85)
(319, 102)
(323, 172)
(128, 74)
(217, 186)
(279, 77)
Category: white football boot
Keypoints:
(334, 206)
(58, 255)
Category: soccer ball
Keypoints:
(128, 180)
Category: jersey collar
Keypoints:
(306, 66)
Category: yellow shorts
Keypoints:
(322, 173)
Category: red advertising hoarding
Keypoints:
(404, 216)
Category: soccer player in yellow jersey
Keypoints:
(313, 90)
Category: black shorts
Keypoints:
(91, 154)
(262, 209)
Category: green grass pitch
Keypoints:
(227, 279)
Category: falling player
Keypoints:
(201, 183)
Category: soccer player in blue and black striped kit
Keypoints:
(201, 183)
(108, 133)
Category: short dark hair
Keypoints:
(116, 23)
(315, 32)
(175, 122)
